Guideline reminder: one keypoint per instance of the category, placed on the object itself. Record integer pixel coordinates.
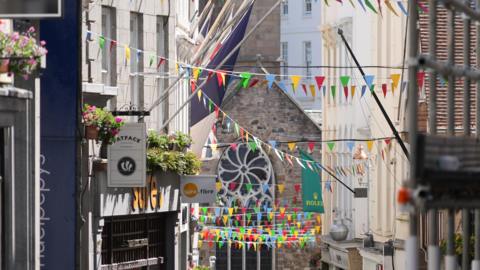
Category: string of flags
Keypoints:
(368, 4)
(309, 84)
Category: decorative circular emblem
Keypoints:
(126, 166)
(190, 190)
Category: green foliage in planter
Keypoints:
(167, 154)
(177, 141)
(458, 242)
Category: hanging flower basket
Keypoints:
(20, 53)
(91, 132)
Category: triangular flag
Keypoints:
(196, 73)
(388, 141)
(160, 62)
(127, 53)
(353, 88)
(221, 78)
(199, 94)
(344, 80)
(312, 90)
(402, 8)
(369, 78)
(281, 188)
(324, 90)
(273, 143)
(369, 145)
(252, 145)
(304, 87)
(150, 62)
(253, 82)
(319, 80)
(270, 78)
(370, 6)
(395, 80)
(326, 3)
(380, 7)
(351, 3)
(420, 79)
(218, 185)
(350, 145)
(112, 44)
(245, 79)
(364, 89)
(295, 80)
(361, 4)
(101, 42)
(331, 145)
(291, 146)
(390, 7)
(334, 90)
(345, 91)
(311, 145)
(384, 89)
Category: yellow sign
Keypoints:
(190, 190)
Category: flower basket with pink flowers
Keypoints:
(101, 125)
(20, 53)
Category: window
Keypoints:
(162, 50)
(136, 60)
(307, 7)
(285, 7)
(285, 58)
(109, 57)
(307, 55)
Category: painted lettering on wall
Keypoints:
(43, 215)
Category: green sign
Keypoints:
(311, 187)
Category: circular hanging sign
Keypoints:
(126, 166)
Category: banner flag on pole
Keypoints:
(312, 188)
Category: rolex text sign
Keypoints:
(127, 157)
(198, 188)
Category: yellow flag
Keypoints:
(281, 188)
(219, 186)
(199, 94)
(312, 90)
(353, 90)
(395, 80)
(295, 80)
(127, 53)
(291, 146)
(225, 219)
(196, 73)
(230, 211)
(319, 220)
(369, 145)
(282, 210)
(318, 229)
(389, 6)
(279, 245)
(200, 243)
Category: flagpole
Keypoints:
(222, 62)
(389, 121)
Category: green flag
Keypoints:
(312, 188)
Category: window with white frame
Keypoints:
(109, 57)
(136, 59)
(285, 7)
(307, 7)
(307, 56)
(285, 58)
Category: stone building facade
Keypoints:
(270, 114)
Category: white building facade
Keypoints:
(300, 51)
(357, 116)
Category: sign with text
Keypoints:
(127, 165)
(198, 188)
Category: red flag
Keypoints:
(193, 85)
(387, 141)
(319, 80)
(345, 91)
(384, 89)
(162, 60)
(311, 145)
(220, 78)
(112, 43)
(304, 89)
(420, 79)
(297, 188)
(253, 82)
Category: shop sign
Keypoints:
(198, 188)
(127, 157)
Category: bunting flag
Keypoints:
(245, 79)
(364, 89)
(270, 78)
(384, 89)
(319, 80)
(369, 145)
(199, 94)
(324, 90)
(344, 80)
(380, 7)
(101, 42)
(295, 80)
(370, 6)
(361, 4)
(311, 145)
(281, 188)
(420, 77)
(369, 79)
(331, 145)
(350, 145)
(221, 79)
(395, 79)
(312, 90)
(127, 53)
(304, 87)
(353, 87)
(390, 7)
(334, 90)
(402, 8)
(291, 146)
